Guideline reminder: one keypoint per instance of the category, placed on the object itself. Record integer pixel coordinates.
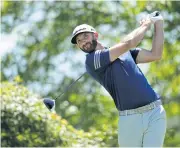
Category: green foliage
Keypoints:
(43, 54)
(96, 112)
(26, 122)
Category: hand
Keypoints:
(146, 22)
(155, 17)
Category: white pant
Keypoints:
(144, 129)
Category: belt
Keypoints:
(141, 109)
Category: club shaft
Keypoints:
(67, 88)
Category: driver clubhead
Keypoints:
(50, 104)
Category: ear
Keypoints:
(96, 35)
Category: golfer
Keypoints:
(142, 118)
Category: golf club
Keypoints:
(50, 103)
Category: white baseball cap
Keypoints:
(79, 29)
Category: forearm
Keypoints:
(135, 37)
(158, 40)
(132, 40)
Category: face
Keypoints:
(86, 41)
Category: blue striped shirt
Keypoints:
(122, 78)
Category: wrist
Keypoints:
(158, 23)
(146, 26)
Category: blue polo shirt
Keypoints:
(122, 78)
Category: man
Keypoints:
(142, 119)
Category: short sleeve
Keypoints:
(98, 60)
(134, 53)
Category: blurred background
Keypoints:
(38, 61)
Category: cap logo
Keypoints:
(80, 30)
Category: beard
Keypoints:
(90, 47)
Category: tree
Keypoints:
(44, 46)
(26, 122)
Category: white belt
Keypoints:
(141, 109)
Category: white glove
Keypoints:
(155, 16)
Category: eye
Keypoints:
(78, 41)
